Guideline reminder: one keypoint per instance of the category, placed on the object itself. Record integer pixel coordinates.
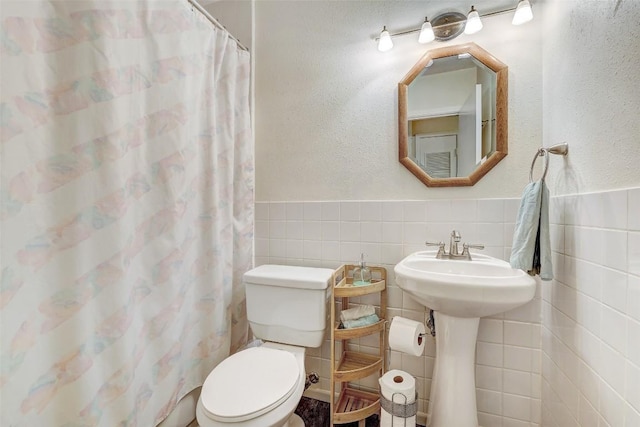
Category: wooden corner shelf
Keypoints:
(354, 365)
(346, 288)
(347, 334)
(353, 404)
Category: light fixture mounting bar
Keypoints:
(417, 30)
(498, 12)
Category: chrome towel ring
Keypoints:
(561, 149)
(541, 152)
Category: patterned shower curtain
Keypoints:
(126, 208)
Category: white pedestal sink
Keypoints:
(460, 292)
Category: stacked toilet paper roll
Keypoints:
(397, 387)
(406, 335)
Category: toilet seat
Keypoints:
(249, 384)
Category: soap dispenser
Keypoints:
(361, 274)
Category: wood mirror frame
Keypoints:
(501, 118)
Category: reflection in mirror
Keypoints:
(460, 108)
(453, 115)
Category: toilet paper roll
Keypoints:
(398, 387)
(404, 336)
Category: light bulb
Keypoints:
(385, 43)
(426, 32)
(474, 24)
(523, 13)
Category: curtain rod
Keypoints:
(215, 22)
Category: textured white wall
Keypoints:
(235, 16)
(591, 93)
(326, 100)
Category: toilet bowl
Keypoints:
(287, 308)
(263, 386)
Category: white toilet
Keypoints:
(261, 386)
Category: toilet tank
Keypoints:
(289, 304)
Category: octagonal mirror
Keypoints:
(452, 116)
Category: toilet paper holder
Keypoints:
(401, 410)
(431, 324)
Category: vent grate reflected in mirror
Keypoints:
(438, 165)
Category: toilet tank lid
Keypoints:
(290, 276)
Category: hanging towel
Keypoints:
(357, 312)
(531, 248)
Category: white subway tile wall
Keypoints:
(328, 234)
(591, 313)
(571, 357)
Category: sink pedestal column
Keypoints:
(453, 387)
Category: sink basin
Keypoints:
(482, 287)
(460, 292)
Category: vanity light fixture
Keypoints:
(449, 25)
(384, 42)
(474, 23)
(523, 13)
(426, 32)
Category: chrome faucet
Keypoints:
(453, 243)
(454, 252)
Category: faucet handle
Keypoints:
(455, 235)
(468, 246)
(465, 249)
(440, 245)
